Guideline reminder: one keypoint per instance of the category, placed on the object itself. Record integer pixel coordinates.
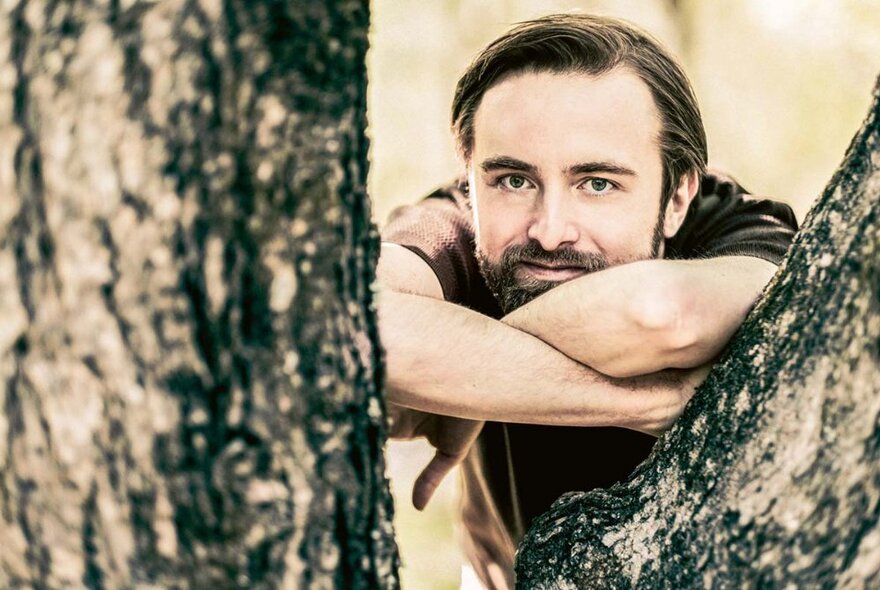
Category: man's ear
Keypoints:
(677, 208)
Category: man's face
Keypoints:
(565, 178)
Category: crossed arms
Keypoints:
(625, 347)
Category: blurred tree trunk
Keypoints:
(189, 369)
(771, 478)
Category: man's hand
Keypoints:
(451, 437)
(683, 383)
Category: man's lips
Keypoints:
(551, 272)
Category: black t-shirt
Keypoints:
(548, 461)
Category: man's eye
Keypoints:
(598, 185)
(514, 182)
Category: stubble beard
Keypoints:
(512, 291)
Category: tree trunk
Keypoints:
(189, 366)
(771, 478)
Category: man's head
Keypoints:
(584, 145)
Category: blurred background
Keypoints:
(783, 86)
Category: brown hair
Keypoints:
(591, 45)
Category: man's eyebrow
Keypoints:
(506, 163)
(606, 167)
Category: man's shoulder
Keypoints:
(439, 229)
(725, 219)
(451, 197)
(716, 182)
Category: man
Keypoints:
(586, 276)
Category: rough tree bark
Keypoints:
(189, 367)
(771, 477)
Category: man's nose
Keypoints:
(553, 224)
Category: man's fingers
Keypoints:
(430, 478)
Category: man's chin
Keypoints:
(522, 277)
(515, 289)
(515, 296)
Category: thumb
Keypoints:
(431, 476)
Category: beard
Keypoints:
(512, 291)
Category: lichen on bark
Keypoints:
(189, 362)
(771, 477)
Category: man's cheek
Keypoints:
(501, 231)
(490, 253)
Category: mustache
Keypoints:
(533, 252)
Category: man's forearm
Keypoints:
(646, 316)
(446, 359)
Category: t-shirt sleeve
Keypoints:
(723, 220)
(439, 229)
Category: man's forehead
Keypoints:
(610, 116)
